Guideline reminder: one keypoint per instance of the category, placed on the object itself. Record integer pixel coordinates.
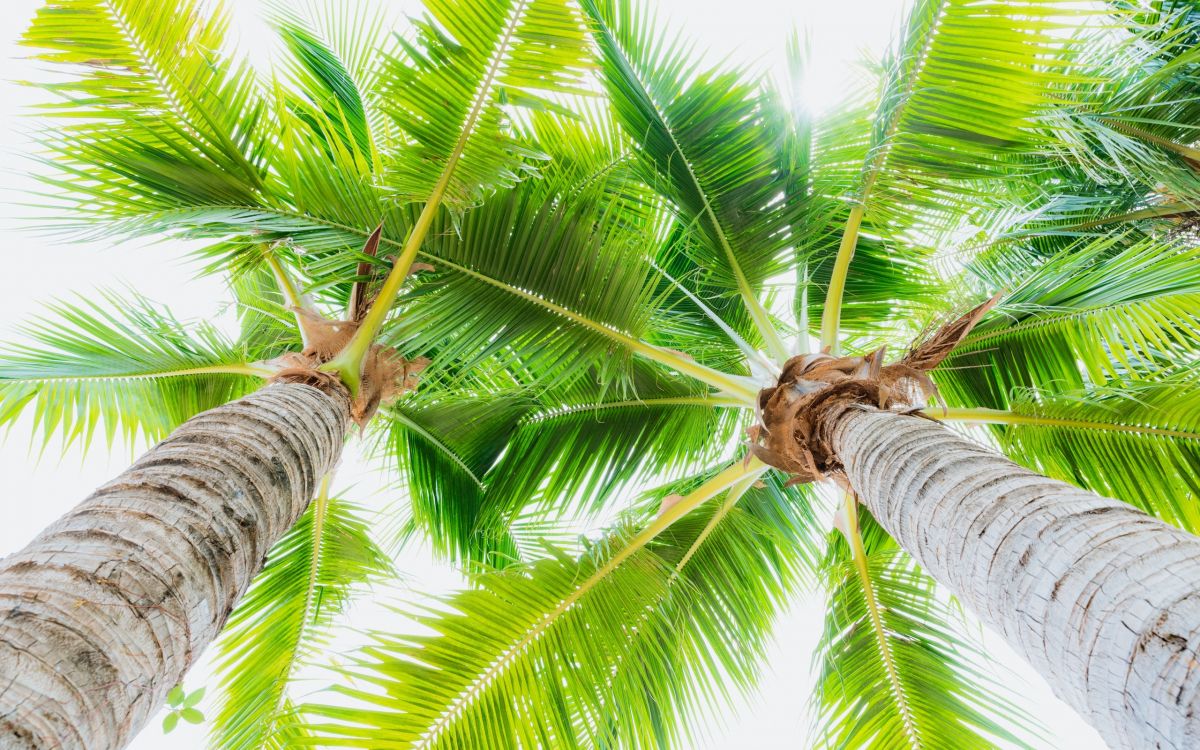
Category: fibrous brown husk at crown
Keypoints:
(814, 388)
(385, 376)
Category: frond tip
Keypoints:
(895, 675)
(123, 365)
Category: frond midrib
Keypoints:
(999, 416)
(649, 403)
(726, 479)
(757, 312)
(244, 368)
(1063, 317)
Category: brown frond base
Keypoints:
(385, 377)
(813, 390)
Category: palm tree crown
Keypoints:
(605, 250)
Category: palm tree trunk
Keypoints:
(104, 611)
(1102, 599)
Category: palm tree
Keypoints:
(592, 238)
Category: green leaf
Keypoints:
(194, 697)
(579, 255)
(175, 696)
(898, 675)
(613, 648)
(284, 621)
(191, 716)
(575, 452)
(123, 365)
(170, 721)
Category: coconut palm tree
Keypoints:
(591, 240)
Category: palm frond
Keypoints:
(152, 116)
(284, 619)
(119, 364)
(445, 90)
(444, 468)
(520, 250)
(963, 89)
(626, 630)
(1135, 122)
(1105, 309)
(1137, 440)
(707, 141)
(555, 455)
(893, 671)
(575, 457)
(316, 71)
(892, 280)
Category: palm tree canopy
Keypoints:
(605, 248)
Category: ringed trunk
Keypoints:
(104, 611)
(1102, 599)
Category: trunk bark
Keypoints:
(104, 611)
(1102, 599)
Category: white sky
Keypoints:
(41, 269)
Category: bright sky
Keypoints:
(41, 269)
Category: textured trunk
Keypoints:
(107, 608)
(1103, 600)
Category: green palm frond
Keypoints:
(894, 673)
(1138, 440)
(152, 116)
(957, 117)
(577, 255)
(558, 455)
(284, 619)
(890, 281)
(578, 455)
(445, 91)
(1135, 122)
(316, 71)
(119, 364)
(707, 141)
(1101, 310)
(627, 630)
(962, 92)
(445, 468)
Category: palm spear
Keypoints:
(591, 237)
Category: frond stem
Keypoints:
(724, 480)
(998, 416)
(831, 315)
(854, 537)
(731, 499)
(1152, 212)
(712, 401)
(243, 368)
(348, 363)
(1187, 152)
(292, 295)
